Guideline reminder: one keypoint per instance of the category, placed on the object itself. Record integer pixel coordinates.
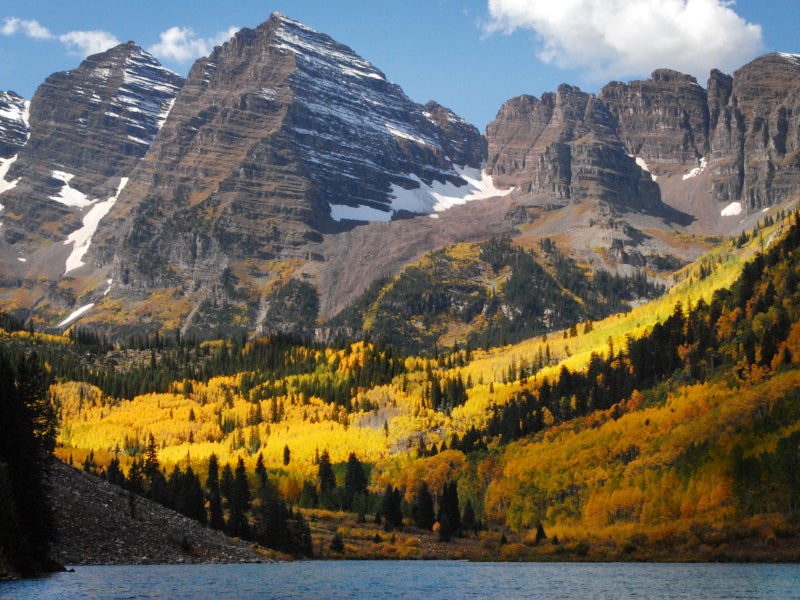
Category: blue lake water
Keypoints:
(408, 579)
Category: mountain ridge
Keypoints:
(283, 153)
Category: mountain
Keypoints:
(13, 123)
(286, 175)
(106, 113)
(277, 138)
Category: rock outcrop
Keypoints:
(13, 123)
(88, 128)
(566, 148)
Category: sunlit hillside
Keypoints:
(646, 429)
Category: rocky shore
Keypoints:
(102, 524)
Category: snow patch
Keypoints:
(697, 170)
(440, 196)
(341, 212)
(67, 195)
(426, 199)
(733, 209)
(5, 165)
(21, 259)
(76, 314)
(108, 289)
(82, 237)
(643, 165)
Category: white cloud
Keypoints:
(617, 38)
(85, 43)
(182, 44)
(31, 29)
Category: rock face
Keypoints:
(664, 120)
(88, 128)
(754, 129)
(742, 130)
(275, 138)
(566, 148)
(13, 123)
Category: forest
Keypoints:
(670, 430)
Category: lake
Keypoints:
(410, 579)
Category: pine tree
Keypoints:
(239, 503)
(215, 516)
(226, 483)
(287, 455)
(391, 508)
(325, 475)
(151, 463)
(27, 438)
(468, 521)
(449, 516)
(114, 474)
(261, 471)
(355, 482)
(422, 512)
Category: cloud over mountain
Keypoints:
(610, 39)
(182, 44)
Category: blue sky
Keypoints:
(470, 55)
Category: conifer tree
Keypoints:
(226, 483)
(422, 512)
(215, 516)
(26, 441)
(287, 455)
(238, 524)
(449, 516)
(355, 481)
(391, 508)
(325, 475)
(468, 521)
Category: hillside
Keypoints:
(100, 524)
(669, 431)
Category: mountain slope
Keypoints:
(88, 128)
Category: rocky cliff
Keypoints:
(88, 128)
(566, 148)
(13, 123)
(277, 137)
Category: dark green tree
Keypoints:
(468, 522)
(114, 474)
(422, 510)
(226, 484)
(151, 462)
(287, 455)
(238, 524)
(216, 519)
(325, 475)
(391, 508)
(135, 478)
(27, 439)
(355, 481)
(449, 515)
